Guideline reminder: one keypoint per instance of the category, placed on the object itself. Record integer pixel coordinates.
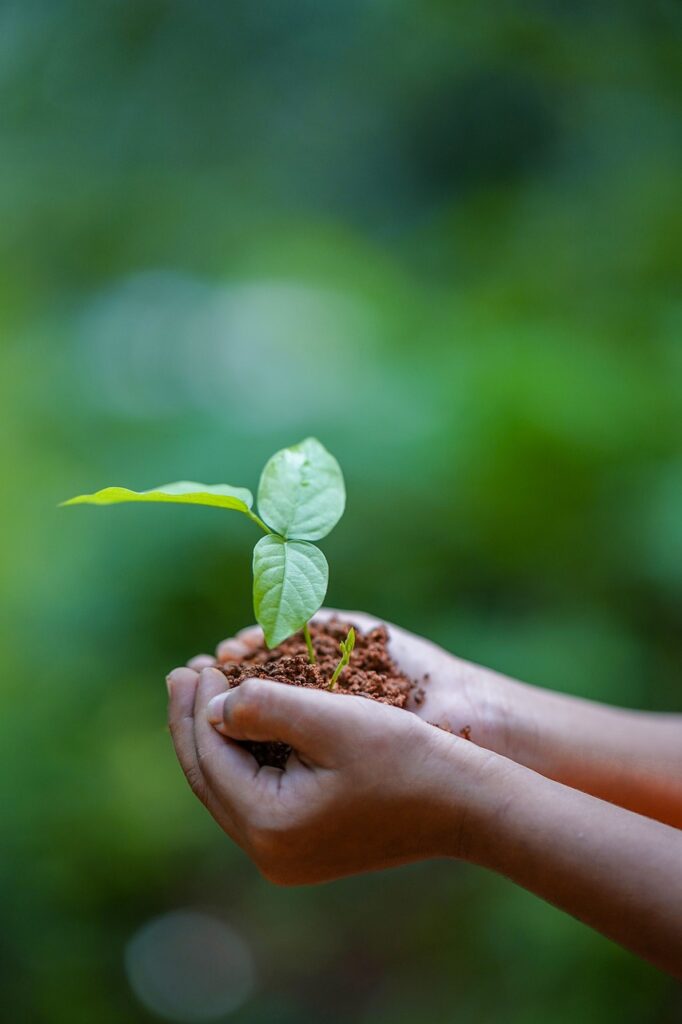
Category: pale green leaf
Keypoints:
(184, 492)
(289, 585)
(301, 494)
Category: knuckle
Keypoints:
(246, 702)
(383, 745)
(248, 689)
(394, 730)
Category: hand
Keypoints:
(461, 697)
(451, 693)
(371, 786)
(368, 786)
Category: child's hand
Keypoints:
(627, 757)
(371, 786)
(452, 693)
(368, 786)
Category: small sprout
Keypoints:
(301, 497)
(346, 647)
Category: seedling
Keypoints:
(346, 647)
(301, 497)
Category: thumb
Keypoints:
(315, 723)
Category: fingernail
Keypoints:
(214, 709)
(178, 675)
(173, 677)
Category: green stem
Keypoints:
(346, 647)
(309, 644)
(337, 672)
(258, 521)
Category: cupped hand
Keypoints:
(454, 694)
(366, 786)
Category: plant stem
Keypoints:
(258, 521)
(337, 672)
(346, 647)
(309, 644)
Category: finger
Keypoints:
(200, 662)
(182, 685)
(228, 768)
(316, 723)
(230, 650)
(241, 646)
(251, 637)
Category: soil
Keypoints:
(371, 673)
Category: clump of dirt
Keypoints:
(371, 673)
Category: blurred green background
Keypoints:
(443, 237)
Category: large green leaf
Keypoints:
(289, 585)
(301, 494)
(184, 492)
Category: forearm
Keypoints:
(616, 871)
(630, 758)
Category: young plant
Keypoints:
(346, 647)
(301, 497)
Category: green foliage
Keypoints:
(184, 493)
(289, 583)
(459, 253)
(301, 493)
(301, 496)
(346, 647)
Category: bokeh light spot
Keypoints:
(188, 966)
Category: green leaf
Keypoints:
(301, 494)
(183, 492)
(289, 585)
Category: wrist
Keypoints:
(472, 789)
(503, 711)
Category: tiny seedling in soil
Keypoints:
(301, 498)
(346, 647)
(371, 673)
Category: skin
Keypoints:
(545, 794)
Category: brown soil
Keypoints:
(371, 673)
